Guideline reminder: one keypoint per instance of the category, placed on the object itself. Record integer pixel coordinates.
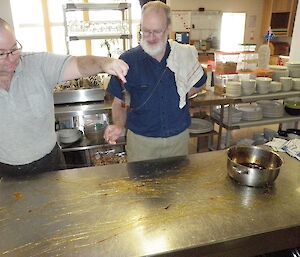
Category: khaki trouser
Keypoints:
(141, 148)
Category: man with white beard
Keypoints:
(157, 118)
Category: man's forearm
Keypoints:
(84, 66)
(90, 65)
(119, 113)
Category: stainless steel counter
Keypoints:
(171, 207)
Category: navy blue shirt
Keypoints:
(154, 105)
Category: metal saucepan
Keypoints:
(252, 165)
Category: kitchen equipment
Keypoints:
(275, 86)
(296, 83)
(233, 88)
(68, 136)
(271, 108)
(289, 132)
(95, 132)
(263, 56)
(79, 95)
(250, 111)
(200, 126)
(278, 71)
(248, 86)
(94, 127)
(252, 165)
(263, 85)
(294, 69)
(111, 156)
(286, 83)
(292, 105)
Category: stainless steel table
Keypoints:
(169, 207)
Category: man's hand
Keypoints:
(116, 67)
(112, 133)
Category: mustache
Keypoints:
(153, 50)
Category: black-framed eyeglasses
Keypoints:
(17, 50)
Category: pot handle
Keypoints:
(240, 170)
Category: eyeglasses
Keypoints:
(156, 33)
(12, 52)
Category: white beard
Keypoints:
(153, 50)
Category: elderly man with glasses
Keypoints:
(162, 75)
(27, 134)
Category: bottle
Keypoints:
(263, 56)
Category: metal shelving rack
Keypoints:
(229, 126)
(124, 8)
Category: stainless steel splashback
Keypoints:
(79, 96)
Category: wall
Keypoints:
(5, 11)
(252, 8)
(295, 53)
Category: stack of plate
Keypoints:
(200, 126)
(250, 112)
(233, 88)
(271, 109)
(236, 115)
(69, 136)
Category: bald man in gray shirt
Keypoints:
(27, 134)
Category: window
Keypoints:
(232, 31)
(29, 24)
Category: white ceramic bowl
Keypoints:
(67, 136)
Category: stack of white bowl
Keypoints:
(263, 85)
(233, 88)
(278, 71)
(294, 69)
(250, 111)
(296, 83)
(248, 86)
(286, 83)
(275, 86)
(271, 108)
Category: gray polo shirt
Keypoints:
(27, 109)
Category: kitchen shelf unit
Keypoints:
(124, 31)
(229, 126)
(280, 16)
